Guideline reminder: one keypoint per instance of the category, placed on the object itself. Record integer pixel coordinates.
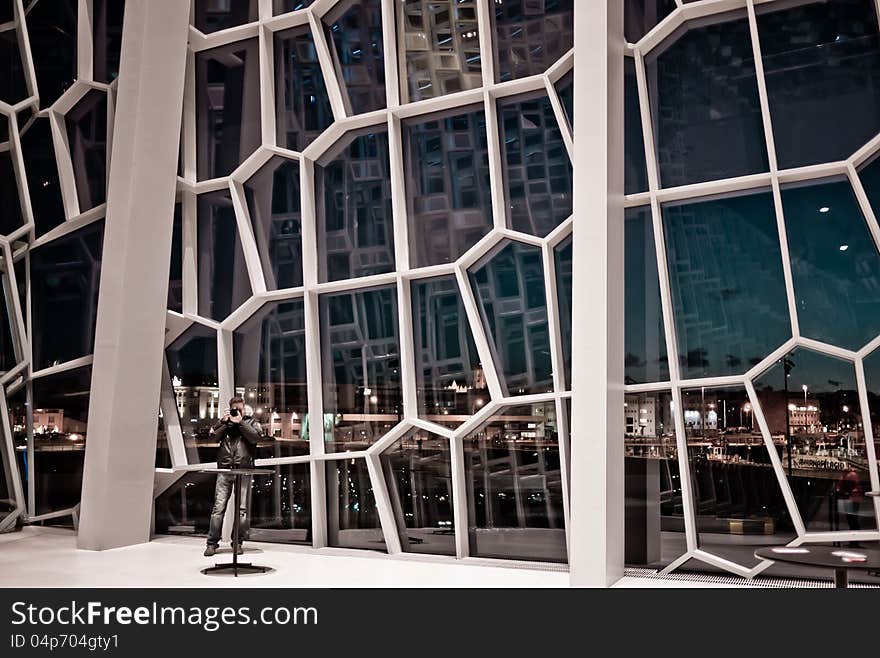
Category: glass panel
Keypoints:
(563, 264)
(530, 36)
(12, 85)
(107, 32)
(163, 451)
(175, 276)
(360, 367)
(514, 486)
(44, 186)
(738, 502)
(636, 171)
(10, 206)
(65, 277)
(353, 198)
(352, 516)
(537, 170)
(273, 200)
(728, 288)
(284, 6)
(192, 364)
(446, 171)
(302, 106)
(354, 34)
(213, 15)
(61, 411)
(185, 507)
(281, 506)
(450, 385)
(508, 286)
(270, 372)
(227, 107)
(654, 535)
(834, 263)
(419, 480)
(52, 30)
(869, 175)
(704, 102)
(7, 332)
(645, 335)
(812, 408)
(87, 139)
(440, 44)
(872, 383)
(18, 420)
(822, 66)
(223, 278)
(640, 16)
(565, 91)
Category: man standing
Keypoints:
(237, 433)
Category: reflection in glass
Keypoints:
(440, 48)
(184, 508)
(654, 504)
(728, 287)
(352, 516)
(354, 31)
(738, 503)
(811, 404)
(41, 170)
(270, 373)
(822, 66)
(353, 199)
(52, 28)
(281, 505)
(834, 263)
(419, 479)
(107, 38)
(640, 16)
(450, 384)
(7, 328)
(562, 254)
(360, 367)
(211, 15)
(871, 365)
(273, 201)
(65, 277)
(175, 273)
(869, 175)
(508, 285)
(530, 36)
(61, 411)
(87, 138)
(18, 421)
(227, 107)
(565, 91)
(12, 85)
(645, 335)
(704, 103)
(163, 450)
(446, 171)
(514, 486)
(223, 278)
(302, 106)
(636, 171)
(10, 206)
(537, 169)
(284, 6)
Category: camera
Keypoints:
(234, 412)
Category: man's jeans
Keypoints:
(223, 491)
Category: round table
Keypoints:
(827, 557)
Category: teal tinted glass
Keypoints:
(563, 263)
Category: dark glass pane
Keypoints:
(636, 171)
(65, 277)
(270, 372)
(450, 385)
(184, 508)
(41, 170)
(418, 476)
(509, 289)
(446, 171)
(704, 103)
(227, 107)
(52, 35)
(192, 364)
(834, 264)
(21, 283)
(360, 367)
(273, 200)
(537, 169)
(353, 198)
(640, 16)
(223, 278)
(822, 65)
(107, 32)
(281, 505)
(7, 11)
(872, 383)
(10, 205)
(61, 411)
(175, 275)
(18, 413)
(302, 106)
(7, 332)
(565, 91)
(440, 45)
(87, 138)
(352, 516)
(738, 503)
(163, 451)
(869, 175)
(284, 6)
(514, 486)
(655, 508)
(213, 15)
(562, 254)
(354, 31)
(812, 408)
(645, 335)
(12, 85)
(728, 287)
(530, 36)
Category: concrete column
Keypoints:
(597, 426)
(117, 495)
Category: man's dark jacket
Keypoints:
(237, 443)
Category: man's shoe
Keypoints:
(210, 551)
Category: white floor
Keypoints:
(48, 557)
